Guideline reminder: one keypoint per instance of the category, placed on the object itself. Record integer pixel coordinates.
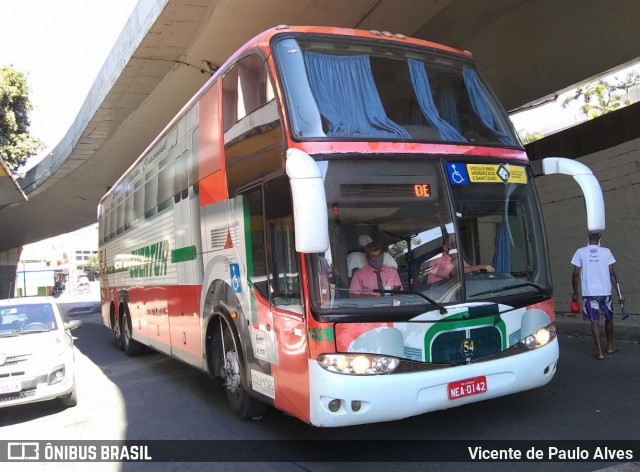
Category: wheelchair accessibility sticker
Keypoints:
(234, 271)
(457, 173)
(464, 174)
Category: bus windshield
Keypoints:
(342, 90)
(452, 231)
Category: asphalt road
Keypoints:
(152, 397)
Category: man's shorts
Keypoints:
(592, 306)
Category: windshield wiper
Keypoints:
(440, 307)
(9, 333)
(509, 287)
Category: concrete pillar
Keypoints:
(8, 268)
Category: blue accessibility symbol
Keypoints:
(457, 173)
(236, 285)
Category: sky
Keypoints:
(60, 45)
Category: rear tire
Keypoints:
(116, 332)
(131, 347)
(233, 371)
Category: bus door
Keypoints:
(279, 335)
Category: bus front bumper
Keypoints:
(376, 398)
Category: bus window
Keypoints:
(138, 200)
(151, 192)
(388, 94)
(256, 230)
(193, 162)
(113, 221)
(165, 180)
(253, 136)
(179, 181)
(128, 208)
(120, 215)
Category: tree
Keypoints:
(92, 266)
(599, 98)
(630, 81)
(602, 97)
(93, 263)
(16, 145)
(528, 137)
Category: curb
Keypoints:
(574, 325)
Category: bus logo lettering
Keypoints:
(153, 260)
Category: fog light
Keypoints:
(334, 405)
(56, 376)
(356, 405)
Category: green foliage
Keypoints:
(93, 263)
(16, 145)
(630, 81)
(528, 137)
(398, 249)
(602, 97)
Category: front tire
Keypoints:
(70, 399)
(233, 371)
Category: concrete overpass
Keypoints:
(527, 49)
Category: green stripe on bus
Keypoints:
(249, 255)
(184, 254)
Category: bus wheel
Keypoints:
(243, 405)
(131, 346)
(116, 331)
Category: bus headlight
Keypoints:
(541, 337)
(358, 364)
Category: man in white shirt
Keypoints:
(594, 264)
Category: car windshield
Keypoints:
(27, 318)
(443, 232)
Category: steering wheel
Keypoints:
(35, 326)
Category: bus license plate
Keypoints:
(467, 387)
(10, 387)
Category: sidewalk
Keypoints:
(574, 325)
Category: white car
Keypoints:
(36, 352)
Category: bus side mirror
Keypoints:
(593, 199)
(309, 202)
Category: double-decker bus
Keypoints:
(231, 243)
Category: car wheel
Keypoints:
(70, 399)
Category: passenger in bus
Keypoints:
(445, 265)
(376, 275)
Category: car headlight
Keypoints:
(358, 364)
(541, 337)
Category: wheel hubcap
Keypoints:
(231, 371)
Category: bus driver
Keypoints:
(375, 275)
